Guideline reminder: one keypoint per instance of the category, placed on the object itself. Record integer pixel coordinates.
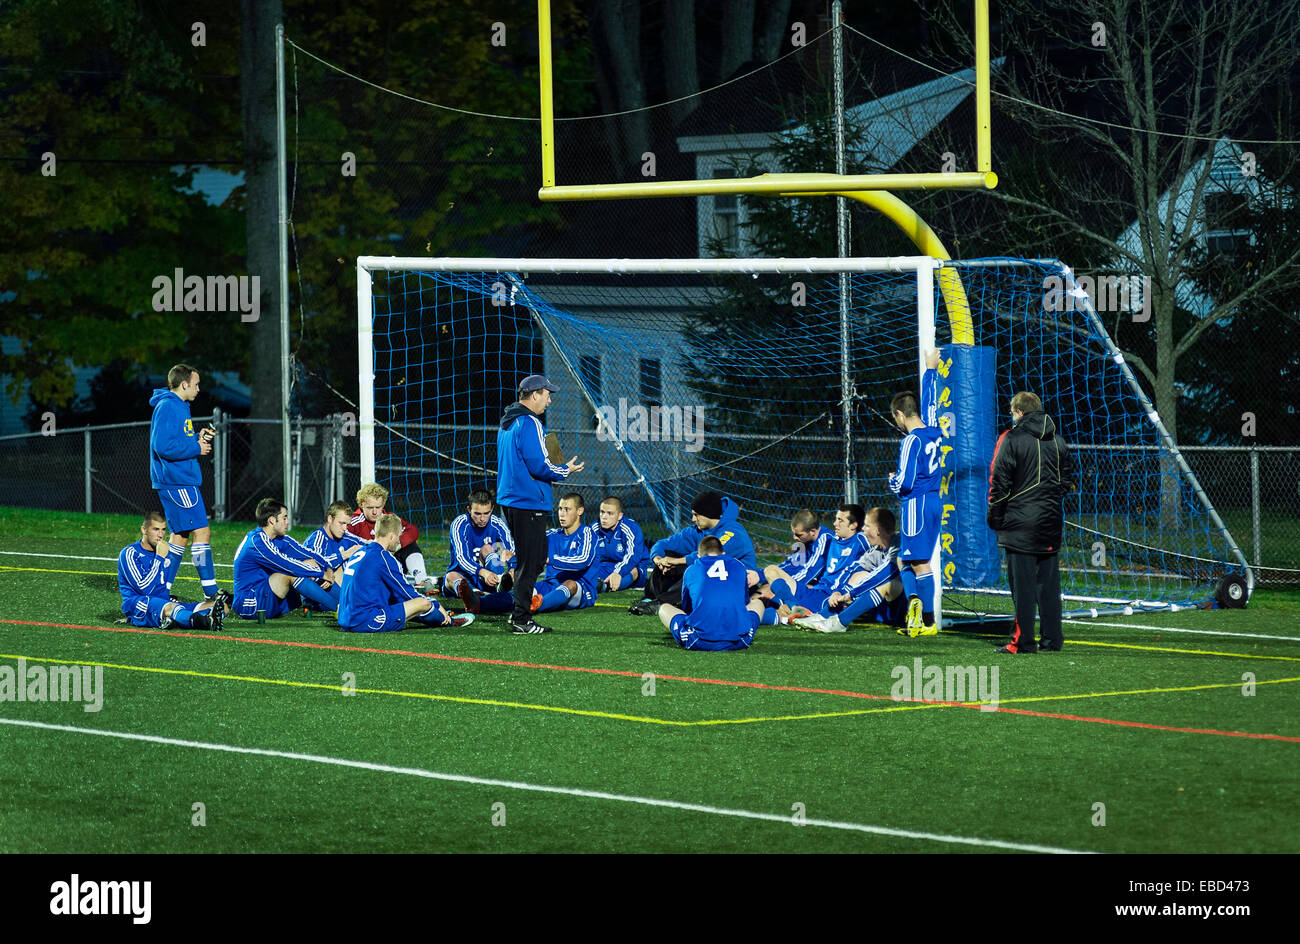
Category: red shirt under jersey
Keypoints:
(366, 529)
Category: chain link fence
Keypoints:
(105, 469)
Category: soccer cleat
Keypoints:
(218, 615)
(643, 608)
(529, 628)
(466, 594)
(166, 621)
(931, 630)
(202, 619)
(914, 621)
(798, 613)
(429, 587)
(812, 621)
(224, 598)
(830, 624)
(462, 619)
(536, 603)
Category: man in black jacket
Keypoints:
(1027, 483)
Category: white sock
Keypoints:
(415, 567)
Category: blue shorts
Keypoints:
(147, 611)
(891, 613)
(584, 598)
(387, 620)
(920, 527)
(812, 598)
(183, 508)
(689, 637)
(262, 597)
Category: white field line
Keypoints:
(1174, 629)
(78, 557)
(785, 819)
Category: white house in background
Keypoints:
(625, 343)
(1227, 192)
(891, 126)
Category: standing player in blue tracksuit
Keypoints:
(714, 614)
(808, 559)
(272, 570)
(873, 590)
(174, 450)
(626, 564)
(374, 594)
(144, 578)
(573, 568)
(916, 483)
(480, 558)
(842, 558)
(712, 515)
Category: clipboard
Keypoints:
(554, 454)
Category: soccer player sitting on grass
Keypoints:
(145, 571)
(371, 499)
(916, 483)
(711, 514)
(480, 556)
(714, 614)
(873, 591)
(273, 572)
(808, 558)
(332, 543)
(375, 597)
(842, 554)
(626, 558)
(573, 571)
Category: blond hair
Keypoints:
(386, 526)
(371, 490)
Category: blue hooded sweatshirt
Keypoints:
(735, 540)
(524, 474)
(173, 444)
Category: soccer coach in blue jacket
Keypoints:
(524, 478)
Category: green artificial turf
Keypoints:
(812, 738)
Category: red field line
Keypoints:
(438, 655)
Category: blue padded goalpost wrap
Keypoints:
(970, 546)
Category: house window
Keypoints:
(652, 391)
(1225, 214)
(589, 367)
(726, 215)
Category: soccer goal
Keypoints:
(769, 380)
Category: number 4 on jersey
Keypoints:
(719, 569)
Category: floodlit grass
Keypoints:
(604, 737)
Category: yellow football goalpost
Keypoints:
(871, 189)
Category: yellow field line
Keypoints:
(906, 706)
(1194, 652)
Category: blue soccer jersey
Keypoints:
(622, 550)
(843, 560)
(373, 590)
(920, 455)
(256, 560)
(144, 580)
(714, 595)
(467, 544)
(808, 560)
(572, 556)
(327, 550)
